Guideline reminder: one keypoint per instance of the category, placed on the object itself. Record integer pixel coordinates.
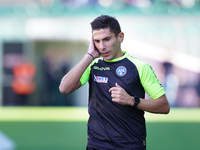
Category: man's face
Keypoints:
(107, 43)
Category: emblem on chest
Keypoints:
(121, 71)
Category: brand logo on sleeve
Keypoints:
(100, 79)
(121, 71)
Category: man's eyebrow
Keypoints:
(103, 38)
(107, 37)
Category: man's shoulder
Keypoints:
(137, 61)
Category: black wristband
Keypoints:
(91, 55)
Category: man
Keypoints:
(117, 86)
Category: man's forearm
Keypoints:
(71, 81)
(160, 105)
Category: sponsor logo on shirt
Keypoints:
(121, 71)
(100, 79)
(101, 68)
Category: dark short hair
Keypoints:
(105, 21)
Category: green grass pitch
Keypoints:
(65, 128)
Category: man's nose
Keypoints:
(102, 46)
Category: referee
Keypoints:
(117, 86)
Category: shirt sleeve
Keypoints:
(149, 81)
(86, 75)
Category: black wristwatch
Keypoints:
(136, 101)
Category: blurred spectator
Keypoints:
(49, 79)
(55, 66)
(23, 82)
(198, 89)
(188, 92)
(64, 66)
(198, 86)
(171, 83)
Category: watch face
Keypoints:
(137, 100)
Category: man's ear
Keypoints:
(121, 37)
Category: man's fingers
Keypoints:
(114, 88)
(110, 90)
(117, 85)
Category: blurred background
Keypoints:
(52, 36)
(41, 40)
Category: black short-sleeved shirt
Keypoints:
(111, 125)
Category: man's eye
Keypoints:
(107, 39)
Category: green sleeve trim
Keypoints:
(148, 79)
(150, 82)
(86, 75)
